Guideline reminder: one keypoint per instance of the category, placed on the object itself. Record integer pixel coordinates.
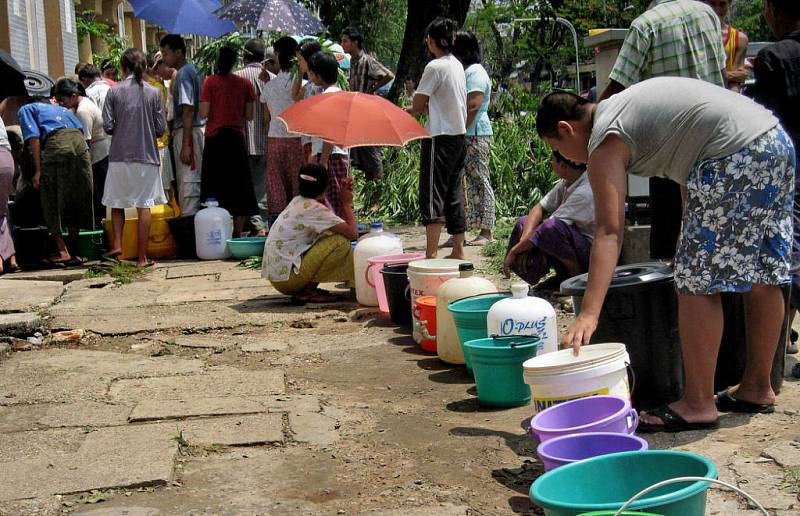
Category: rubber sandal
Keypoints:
(479, 241)
(726, 402)
(672, 422)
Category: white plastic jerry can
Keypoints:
(213, 227)
(375, 243)
(522, 314)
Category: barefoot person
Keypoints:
(62, 171)
(133, 114)
(308, 244)
(442, 94)
(564, 240)
(735, 164)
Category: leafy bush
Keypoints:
(519, 162)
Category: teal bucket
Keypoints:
(606, 482)
(469, 314)
(613, 513)
(497, 366)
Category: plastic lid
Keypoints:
(624, 276)
(376, 225)
(519, 290)
(435, 265)
(463, 267)
(563, 361)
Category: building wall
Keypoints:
(18, 19)
(70, 35)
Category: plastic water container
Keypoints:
(524, 315)
(374, 277)
(375, 243)
(561, 376)
(448, 346)
(213, 226)
(160, 243)
(425, 277)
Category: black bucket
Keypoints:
(182, 229)
(398, 293)
(31, 245)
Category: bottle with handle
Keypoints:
(213, 227)
(522, 314)
(375, 243)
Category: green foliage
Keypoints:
(748, 16)
(496, 251)
(206, 56)
(122, 272)
(87, 26)
(518, 159)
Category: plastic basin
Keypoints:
(572, 448)
(605, 483)
(497, 366)
(469, 315)
(246, 247)
(600, 413)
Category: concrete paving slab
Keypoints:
(19, 324)
(81, 414)
(24, 295)
(240, 274)
(785, 453)
(220, 382)
(196, 296)
(199, 341)
(196, 269)
(45, 506)
(317, 429)
(117, 511)
(261, 344)
(101, 463)
(159, 409)
(64, 276)
(39, 444)
(234, 430)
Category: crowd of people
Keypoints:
(721, 167)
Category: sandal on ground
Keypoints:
(149, 264)
(449, 243)
(75, 261)
(726, 402)
(672, 422)
(480, 241)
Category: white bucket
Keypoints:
(561, 376)
(424, 279)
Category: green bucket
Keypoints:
(469, 315)
(606, 482)
(497, 366)
(90, 244)
(612, 513)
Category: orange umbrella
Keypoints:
(350, 119)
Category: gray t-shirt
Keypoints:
(671, 124)
(187, 92)
(572, 203)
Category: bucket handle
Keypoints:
(532, 340)
(367, 274)
(423, 325)
(631, 377)
(634, 415)
(690, 479)
(407, 293)
(481, 295)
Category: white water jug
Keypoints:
(375, 243)
(467, 284)
(213, 227)
(522, 314)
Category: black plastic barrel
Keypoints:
(398, 293)
(641, 311)
(182, 229)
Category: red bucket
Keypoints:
(425, 312)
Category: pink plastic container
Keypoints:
(375, 279)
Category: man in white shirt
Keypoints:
(442, 93)
(96, 88)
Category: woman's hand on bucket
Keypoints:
(579, 332)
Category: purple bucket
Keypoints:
(573, 448)
(603, 413)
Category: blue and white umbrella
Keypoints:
(272, 15)
(184, 16)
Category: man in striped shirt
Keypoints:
(672, 38)
(256, 133)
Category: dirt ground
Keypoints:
(391, 429)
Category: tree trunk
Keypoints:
(414, 54)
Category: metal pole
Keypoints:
(571, 27)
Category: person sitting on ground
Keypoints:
(564, 240)
(62, 172)
(735, 165)
(308, 244)
(323, 70)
